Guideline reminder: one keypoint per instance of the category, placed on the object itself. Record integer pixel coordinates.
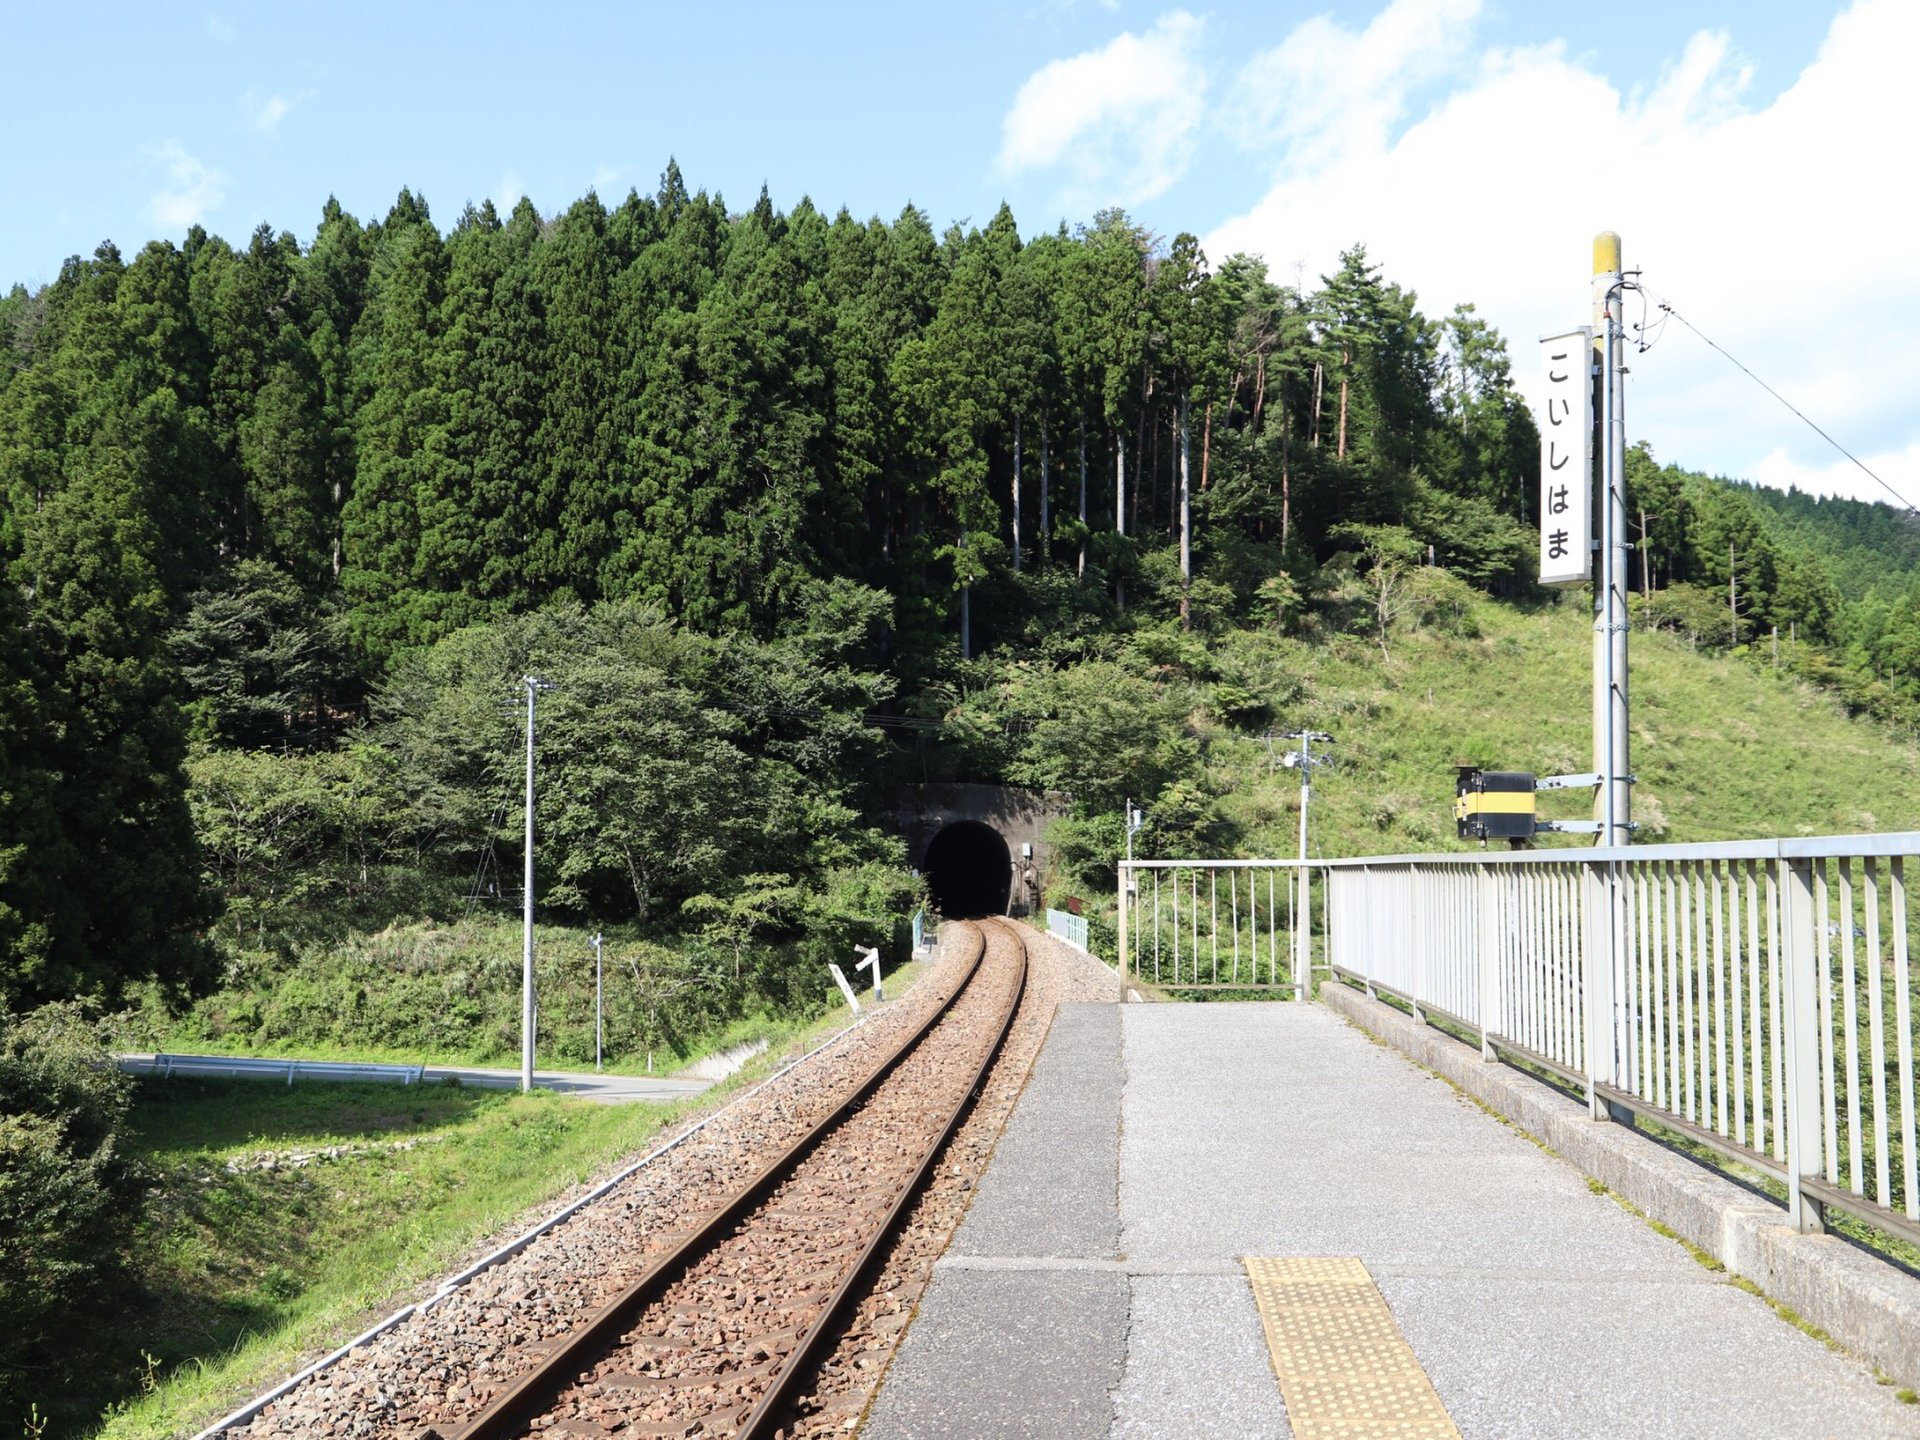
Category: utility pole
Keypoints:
(598, 1033)
(534, 686)
(1304, 760)
(1610, 565)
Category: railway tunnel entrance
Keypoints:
(969, 870)
(983, 848)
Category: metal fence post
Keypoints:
(1487, 925)
(1802, 1019)
(1369, 946)
(1126, 884)
(1596, 982)
(1417, 988)
(1303, 937)
(1326, 924)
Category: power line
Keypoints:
(1669, 310)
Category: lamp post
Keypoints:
(1304, 761)
(1134, 819)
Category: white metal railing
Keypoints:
(1217, 924)
(1069, 927)
(1756, 996)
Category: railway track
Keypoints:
(719, 1335)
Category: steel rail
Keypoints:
(508, 1414)
(761, 1419)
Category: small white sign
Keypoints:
(840, 979)
(1566, 460)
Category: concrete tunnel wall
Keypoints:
(976, 872)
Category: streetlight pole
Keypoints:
(1304, 760)
(1133, 819)
(534, 686)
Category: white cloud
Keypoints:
(194, 189)
(507, 191)
(219, 28)
(1344, 90)
(1120, 120)
(1780, 230)
(1840, 476)
(266, 114)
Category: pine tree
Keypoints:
(571, 475)
(479, 450)
(112, 890)
(1187, 345)
(656, 301)
(331, 292)
(29, 842)
(392, 348)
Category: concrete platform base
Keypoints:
(1095, 1289)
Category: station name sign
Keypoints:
(1566, 460)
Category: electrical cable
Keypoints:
(1645, 342)
(1908, 504)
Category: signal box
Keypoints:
(1494, 804)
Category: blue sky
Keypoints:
(1473, 147)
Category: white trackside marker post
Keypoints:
(872, 962)
(840, 979)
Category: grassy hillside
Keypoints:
(1724, 748)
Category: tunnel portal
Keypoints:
(969, 870)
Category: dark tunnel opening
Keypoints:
(969, 870)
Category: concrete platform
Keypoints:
(1095, 1288)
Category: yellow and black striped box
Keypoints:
(1494, 804)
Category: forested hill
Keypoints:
(284, 524)
(243, 484)
(670, 402)
(1871, 549)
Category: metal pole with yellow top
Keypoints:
(1610, 758)
(1606, 969)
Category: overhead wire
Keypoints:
(1667, 309)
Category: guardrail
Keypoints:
(1217, 924)
(1756, 997)
(1069, 927)
(236, 1067)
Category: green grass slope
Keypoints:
(1724, 748)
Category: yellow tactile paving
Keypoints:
(1345, 1370)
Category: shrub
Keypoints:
(68, 1199)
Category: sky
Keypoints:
(1748, 153)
